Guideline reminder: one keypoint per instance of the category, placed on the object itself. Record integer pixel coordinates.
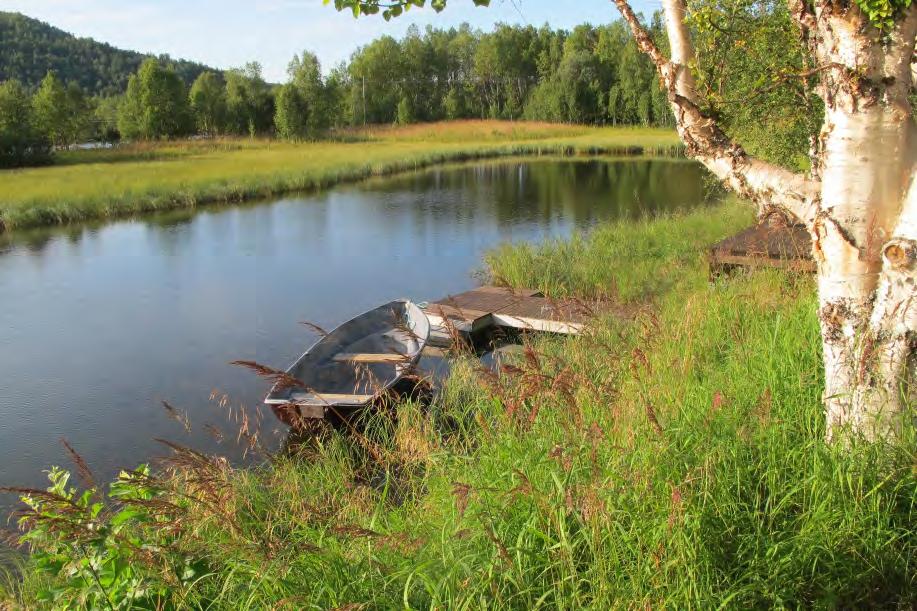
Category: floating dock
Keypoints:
(764, 245)
(490, 307)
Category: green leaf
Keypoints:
(126, 515)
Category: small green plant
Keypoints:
(98, 553)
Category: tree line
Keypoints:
(590, 75)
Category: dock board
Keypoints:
(764, 245)
(523, 309)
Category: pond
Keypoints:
(100, 324)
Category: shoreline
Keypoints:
(304, 169)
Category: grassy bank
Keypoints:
(671, 460)
(158, 176)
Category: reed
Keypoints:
(671, 459)
(147, 177)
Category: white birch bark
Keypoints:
(867, 147)
(858, 201)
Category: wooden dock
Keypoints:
(764, 245)
(489, 307)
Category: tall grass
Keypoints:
(148, 176)
(672, 459)
(630, 262)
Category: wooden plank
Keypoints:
(291, 414)
(505, 290)
(545, 309)
(454, 313)
(369, 358)
(802, 265)
(516, 308)
(439, 324)
(478, 300)
(539, 324)
(327, 397)
(764, 245)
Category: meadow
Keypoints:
(149, 176)
(670, 459)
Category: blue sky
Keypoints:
(227, 33)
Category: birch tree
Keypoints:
(858, 200)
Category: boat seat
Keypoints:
(365, 357)
(329, 398)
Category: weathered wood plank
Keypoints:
(764, 245)
(312, 398)
(369, 358)
(505, 290)
(516, 308)
(799, 265)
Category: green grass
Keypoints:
(672, 460)
(628, 262)
(145, 177)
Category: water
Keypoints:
(100, 324)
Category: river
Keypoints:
(101, 323)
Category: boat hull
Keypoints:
(354, 365)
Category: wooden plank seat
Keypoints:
(362, 357)
(327, 397)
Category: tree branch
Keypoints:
(768, 185)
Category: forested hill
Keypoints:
(29, 48)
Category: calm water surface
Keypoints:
(100, 324)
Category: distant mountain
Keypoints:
(29, 48)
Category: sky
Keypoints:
(229, 33)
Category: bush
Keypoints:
(405, 111)
(290, 116)
(155, 105)
(21, 142)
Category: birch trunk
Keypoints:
(867, 164)
(859, 202)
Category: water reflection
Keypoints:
(103, 321)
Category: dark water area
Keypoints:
(99, 324)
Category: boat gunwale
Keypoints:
(412, 360)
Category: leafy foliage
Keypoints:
(21, 141)
(754, 76)
(105, 119)
(882, 13)
(390, 8)
(100, 553)
(249, 104)
(318, 96)
(156, 104)
(592, 75)
(208, 102)
(753, 72)
(63, 112)
(290, 114)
